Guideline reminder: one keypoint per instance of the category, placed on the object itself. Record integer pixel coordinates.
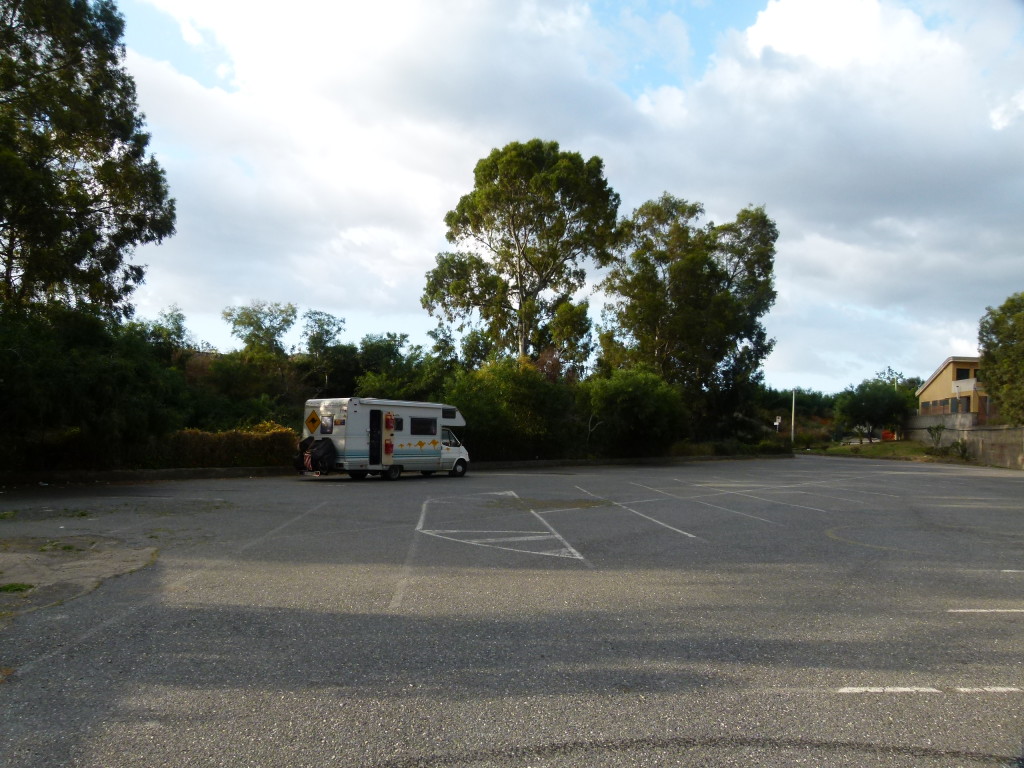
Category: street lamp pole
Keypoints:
(792, 422)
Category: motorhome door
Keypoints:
(376, 441)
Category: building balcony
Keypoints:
(963, 387)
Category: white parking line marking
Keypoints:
(497, 542)
(641, 514)
(783, 503)
(499, 539)
(830, 496)
(889, 689)
(929, 689)
(772, 487)
(868, 493)
(511, 541)
(709, 504)
(985, 610)
(566, 544)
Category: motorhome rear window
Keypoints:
(422, 426)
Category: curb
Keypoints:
(137, 475)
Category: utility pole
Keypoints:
(792, 422)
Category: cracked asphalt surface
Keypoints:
(808, 611)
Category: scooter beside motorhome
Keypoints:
(365, 435)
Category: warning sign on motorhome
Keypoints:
(312, 421)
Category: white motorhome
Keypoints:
(385, 437)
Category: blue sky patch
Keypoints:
(156, 35)
(705, 22)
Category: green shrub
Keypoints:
(959, 448)
(935, 433)
(686, 448)
(265, 445)
(771, 447)
(810, 438)
(513, 412)
(631, 413)
(733, 447)
(15, 587)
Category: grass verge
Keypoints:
(16, 587)
(908, 450)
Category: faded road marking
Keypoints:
(641, 514)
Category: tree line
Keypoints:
(79, 390)
(676, 358)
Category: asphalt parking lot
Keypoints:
(808, 611)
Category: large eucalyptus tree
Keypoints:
(686, 299)
(535, 218)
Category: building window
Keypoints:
(963, 374)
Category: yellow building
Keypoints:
(954, 389)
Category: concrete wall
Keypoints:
(998, 446)
(950, 420)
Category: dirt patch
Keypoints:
(37, 572)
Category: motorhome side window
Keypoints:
(399, 423)
(448, 413)
(422, 426)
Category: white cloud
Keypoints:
(1007, 113)
(841, 34)
(884, 137)
(666, 106)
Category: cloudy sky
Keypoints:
(314, 147)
